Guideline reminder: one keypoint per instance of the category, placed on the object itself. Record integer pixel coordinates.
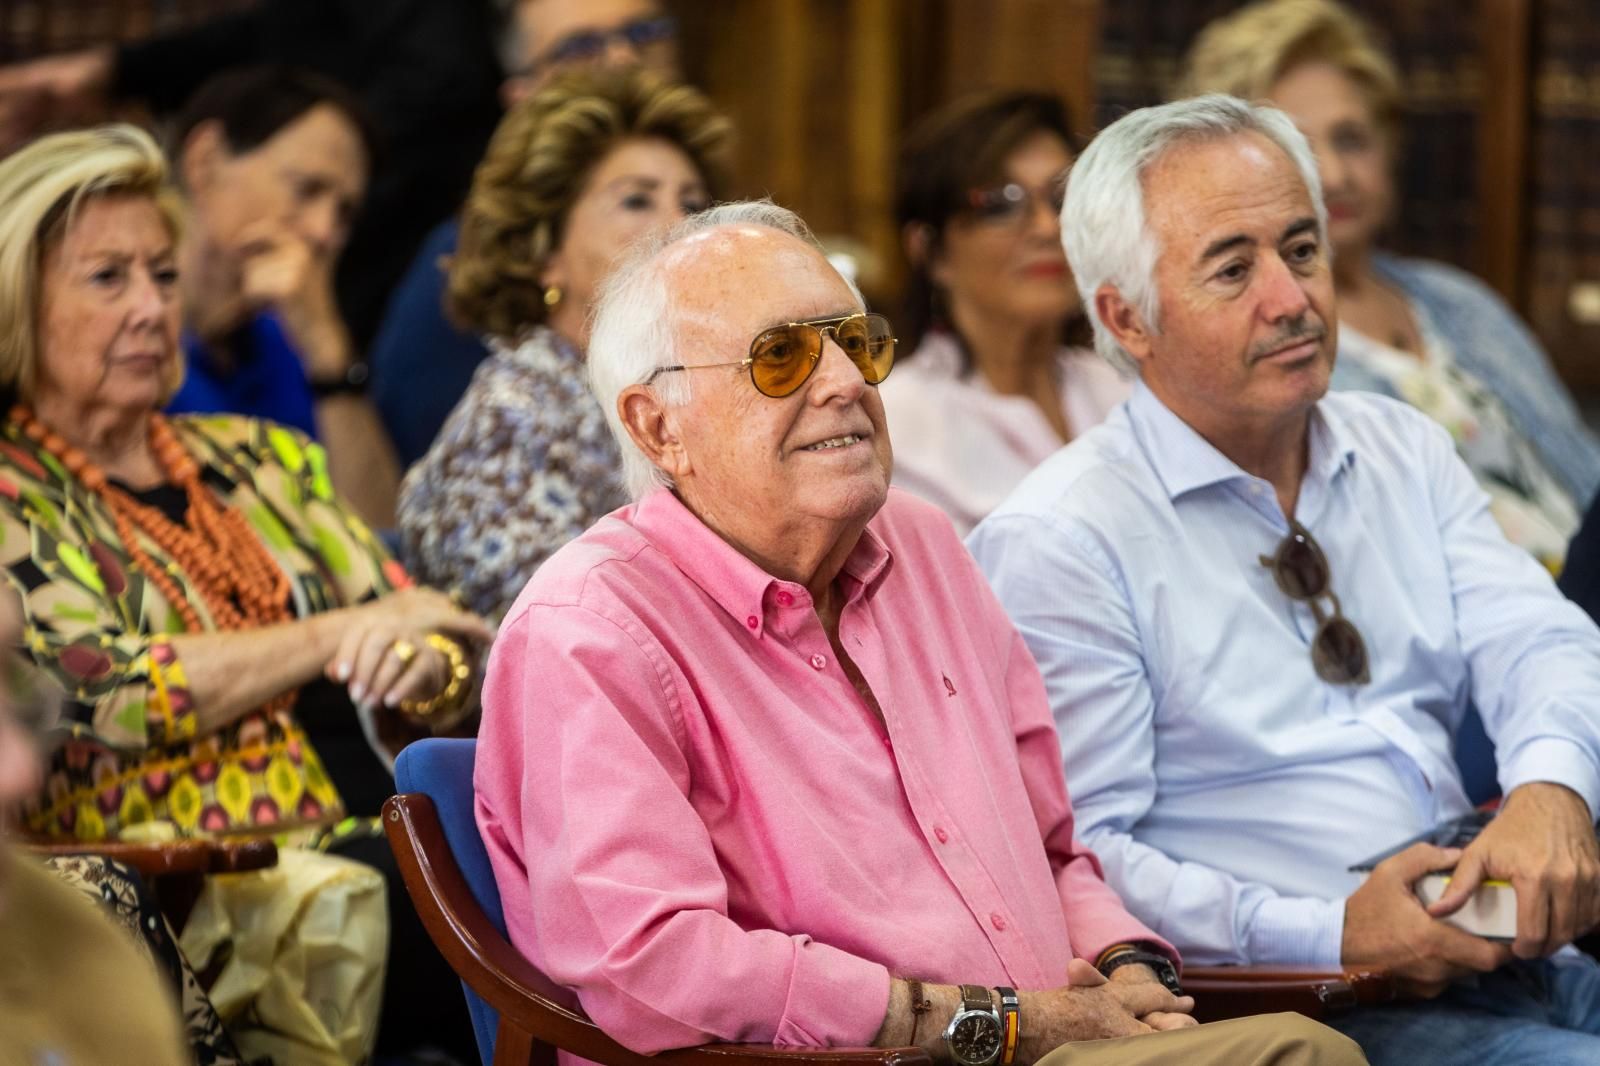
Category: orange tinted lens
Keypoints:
(866, 339)
(781, 359)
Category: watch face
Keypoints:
(975, 1039)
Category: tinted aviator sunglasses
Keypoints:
(783, 358)
(1338, 654)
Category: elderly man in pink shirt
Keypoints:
(762, 758)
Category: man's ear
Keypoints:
(201, 156)
(650, 426)
(1124, 321)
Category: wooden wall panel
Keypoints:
(1503, 144)
(821, 91)
(815, 88)
(1048, 45)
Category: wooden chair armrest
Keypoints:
(149, 860)
(172, 857)
(529, 1004)
(1318, 993)
(243, 855)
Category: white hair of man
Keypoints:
(633, 331)
(1103, 222)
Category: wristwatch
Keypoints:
(1165, 972)
(974, 1035)
(353, 382)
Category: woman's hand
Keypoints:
(376, 671)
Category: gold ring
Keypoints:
(404, 650)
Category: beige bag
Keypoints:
(309, 939)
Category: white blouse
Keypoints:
(964, 447)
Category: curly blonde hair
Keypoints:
(535, 169)
(42, 189)
(1245, 53)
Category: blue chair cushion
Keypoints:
(441, 768)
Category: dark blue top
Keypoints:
(1580, 578)
(267, 380)
(421, 363)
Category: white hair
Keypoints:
(632, 332)
(1103, 223)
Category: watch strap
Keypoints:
(353, 382)
(1010, 1023)
(976, 997)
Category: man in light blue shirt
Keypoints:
(1249, 704)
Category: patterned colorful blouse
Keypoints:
(524, 464)
(96, 625)
(1533, 509)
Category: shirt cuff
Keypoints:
(1297, 931)
(1556, 760)
(835, 999)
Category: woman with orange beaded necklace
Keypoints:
(185, 581)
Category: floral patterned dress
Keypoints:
(1531, 506)
(524, 464)
(94, 624)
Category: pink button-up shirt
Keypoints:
(698, 824)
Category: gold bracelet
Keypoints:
(455, 688)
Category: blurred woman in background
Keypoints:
(526, 462)
(991, 386)
(1417, 330)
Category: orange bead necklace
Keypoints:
(223, 558)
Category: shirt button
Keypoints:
(998, 922)
(818, 662)
(938, 831)
(752, 621)
(785, 599)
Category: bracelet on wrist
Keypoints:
(1010, 1024)
(454, 692)
(1160, 965)
(1112, 952)
(920, 1005)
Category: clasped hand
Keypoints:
(365, 660)
(1542, 842)
(1090, 1007)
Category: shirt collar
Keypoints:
(730, 578)
(1186, 461)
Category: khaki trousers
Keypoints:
(1265, 1040)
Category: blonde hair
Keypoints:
(42, 189)
(535, 169)
(1245, 54)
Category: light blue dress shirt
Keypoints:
(1224, 786)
